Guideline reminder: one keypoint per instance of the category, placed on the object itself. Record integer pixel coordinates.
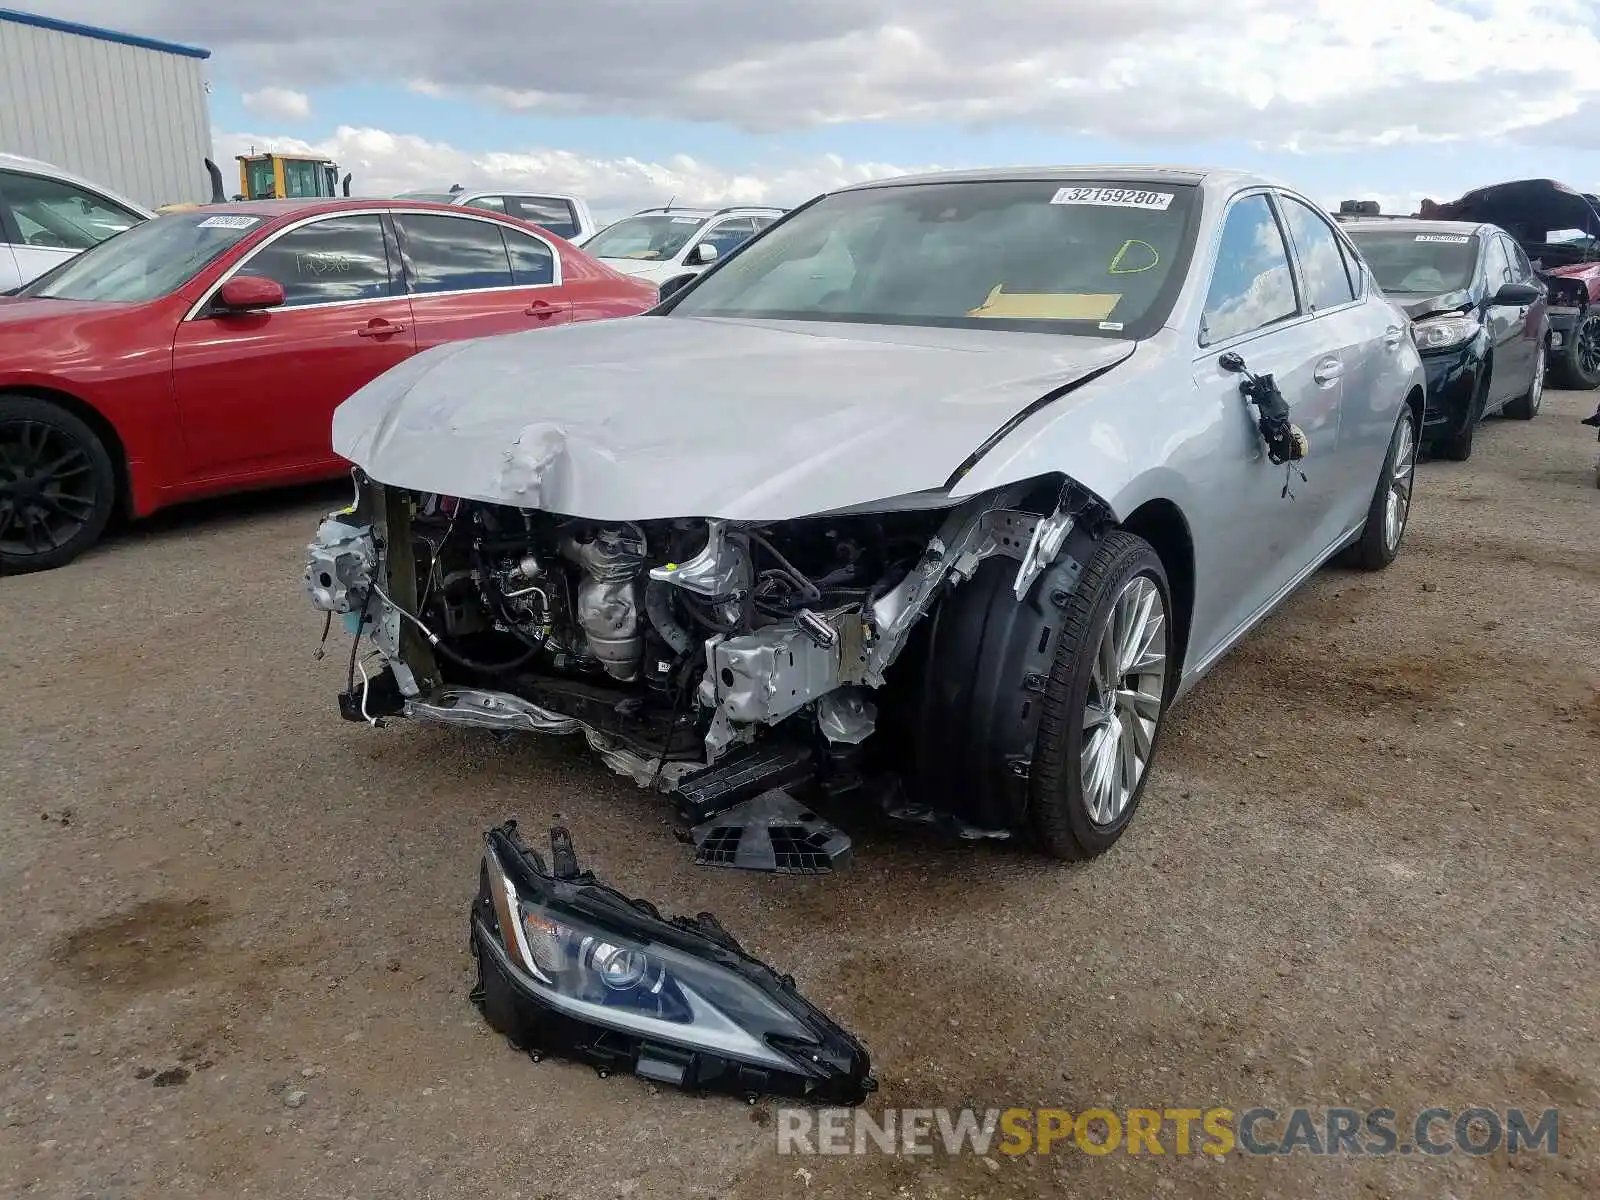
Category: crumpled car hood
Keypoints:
(656, 417)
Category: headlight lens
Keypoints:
(1441, 333)
(648, 989)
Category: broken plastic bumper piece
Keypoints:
(570, 967)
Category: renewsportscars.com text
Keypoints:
(1179, 1131)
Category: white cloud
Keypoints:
(383, 163)
(279, 104)
(1317, 75)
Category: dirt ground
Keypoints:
(234, 926)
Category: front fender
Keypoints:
(1113, 436)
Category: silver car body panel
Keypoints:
(665, 416)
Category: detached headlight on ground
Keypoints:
(570, 967)
(1443, 333)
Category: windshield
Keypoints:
(1098, 257)
(150, 260)
(1424, 264)
(656, 237)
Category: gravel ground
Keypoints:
(234, 926)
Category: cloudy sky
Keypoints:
(632, 102)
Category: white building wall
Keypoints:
(131, 118)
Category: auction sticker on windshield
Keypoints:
(1454, 239)
(1113, 197)
(228, 221)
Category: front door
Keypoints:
(1261, 535)
(256, 391)
(473, 277)
(1507, 325)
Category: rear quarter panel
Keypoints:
(597, 292)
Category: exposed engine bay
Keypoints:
(723, 661)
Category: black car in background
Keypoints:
(1478, 314)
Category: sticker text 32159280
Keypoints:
(1113, 197)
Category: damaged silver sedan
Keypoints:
(936, 495)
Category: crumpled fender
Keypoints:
(1087, 435)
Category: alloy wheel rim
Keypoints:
(1588, 337)
(46, 488)
(1126, 693)
(1397, 503)
(1536, 393)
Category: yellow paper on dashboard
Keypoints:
(1047, 306)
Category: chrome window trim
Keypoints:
(555, 265)
(1282, 195)
(198, 308)
(1206, 349)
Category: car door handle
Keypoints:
(1327, 371)
(542, 309)
(380, 328)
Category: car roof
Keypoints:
(678, 210)
(1220, 179)
(471, 193)
(36, 166)
(1417, 225)
(274, 209)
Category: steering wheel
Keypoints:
(48, 241)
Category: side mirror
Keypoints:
(704, 255)
(1516, 295)
(673, 286)
(249, 293)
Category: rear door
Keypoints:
(472, 277)
(1354, 337)
(257, 391)
(1254, 308)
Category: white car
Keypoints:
(565, 216)
(662, 244)
(48, 214)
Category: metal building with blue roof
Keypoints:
(127, 111)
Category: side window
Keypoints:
(1321, 262)
(453, 254)
(327, 262)
(1496, 263)
(729, 235)
(1251, 286)
(57, 215)
(1521, 268)
(547, 212)
(532, 262)
(762, 222)
(488, 203)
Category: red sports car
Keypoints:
(205, 351)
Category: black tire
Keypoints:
(1457, 446)
(49, 519)
(1373, 551)
(1058, 811)
(1526, 406)
(1577, 366)
(984, 718)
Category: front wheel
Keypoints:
(1104, 701)
(1526, 406)
(57, 485)
(1577, 366)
